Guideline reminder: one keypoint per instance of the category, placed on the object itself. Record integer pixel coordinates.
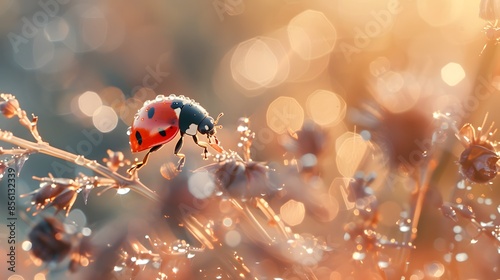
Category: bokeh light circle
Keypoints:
(105, 119)
(292, 212)
(439, 13)
(311, 34)
(325, 107)
(285, 113)
(259, 62)
(89, 102)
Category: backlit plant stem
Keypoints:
(44, 148)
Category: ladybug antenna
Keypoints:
(217, 120)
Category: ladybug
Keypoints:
(159, 121)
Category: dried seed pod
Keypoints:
(478, 162)
(310, 139)
(65, 200)
(49, 240)
(404, 137)
(244, 179)
(58, 192)
(10, 106)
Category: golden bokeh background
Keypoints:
(347, 66)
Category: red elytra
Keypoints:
(154, 124)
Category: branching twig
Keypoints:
(44, 148)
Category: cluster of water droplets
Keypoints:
(161, 98)
(15, 161)
(305, 249)
(404, 224)
(161, 257)
(246, 137)
(441, 133)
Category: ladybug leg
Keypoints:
(214, 143)
(140, 164)
(178, 148)
(202, 144)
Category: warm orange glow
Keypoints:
(292, 212)
(311, 34)
(452, 73)
(351, 149)
(259, 62)
(326, 107)
(284, 114)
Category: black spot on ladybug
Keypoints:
(162, 132)
(151, 112)
(138, 136)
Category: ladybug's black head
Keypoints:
(207, 126)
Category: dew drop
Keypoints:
(122, 191)
(7, 135)
(242, 128)
(169, 170)
(142, 261)
(19, 162)
(488, 224)
(129, 130)
(92, 164)
(347, 236)
(383, 264)
(383, 261)
(366, 135)
(160, 97)
(473, 241)
(80, 160)
(404, 225)
(358, 256)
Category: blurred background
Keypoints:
(367, 72)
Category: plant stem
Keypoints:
(44, 148)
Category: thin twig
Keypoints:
(44, 148)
